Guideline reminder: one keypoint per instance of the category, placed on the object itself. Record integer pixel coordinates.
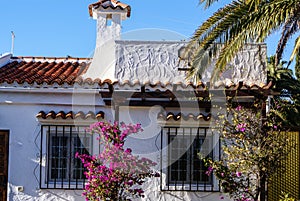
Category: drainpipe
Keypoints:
(117, 112)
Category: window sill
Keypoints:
(64, 185)
(192, 187)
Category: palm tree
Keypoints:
(240, 22)
(289, 92)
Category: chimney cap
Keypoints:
(112, 4)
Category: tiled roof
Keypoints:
(65, 72)
(113, 4)
(199, 85)
(69, 115)
(177, 117)
(42, 70)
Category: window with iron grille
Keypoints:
(181, 165)
(60, 168)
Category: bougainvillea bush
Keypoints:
(115, 174)
(253, 148)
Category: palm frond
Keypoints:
(208, 26)
(202, 61)
(290, 27)
(297, 63)
(241, 22)
(270, 17)
(296, 49)
(218, 33)
(208, 3)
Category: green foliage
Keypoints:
(286, 197)
(238, 23)
(288, 90)
(253, 147)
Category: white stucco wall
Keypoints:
(18, 108)
(158, 61)
(152, 62)
(147, 144)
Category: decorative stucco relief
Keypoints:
(249, 65)
(152, 62)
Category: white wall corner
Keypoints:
(4, 59)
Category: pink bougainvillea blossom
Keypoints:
(241, 127)
(115, 174)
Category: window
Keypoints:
(181, 165)
(61, 170)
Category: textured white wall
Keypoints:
(17, 113)
(151, 62)
(147, 144)
(158, 61)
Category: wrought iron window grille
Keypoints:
(59, 168)
(181, 167)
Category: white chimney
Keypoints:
(109, 15)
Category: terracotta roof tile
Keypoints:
(113, 4)
(49, 71)
(69, 115)
(177, 117)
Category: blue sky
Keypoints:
(64, 27)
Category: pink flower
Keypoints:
(241, 127)
(128, 150)
(238, 174)
(209, 170)
(76, 155)
(114, 166)
(238, 108)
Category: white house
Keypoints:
(45, 104)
